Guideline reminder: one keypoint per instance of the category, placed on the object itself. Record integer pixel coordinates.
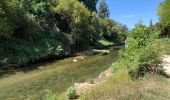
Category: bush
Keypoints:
(142, 53)
(19, 52)
(71, 93)
(48, 95)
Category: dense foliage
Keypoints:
(20, 52)
(75, 22)
(142, 52)
(164, 14)
(33, 30)
(90, 4)
(113, 31)
(6, 27)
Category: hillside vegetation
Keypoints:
(39, 30)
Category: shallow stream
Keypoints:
(56, 76)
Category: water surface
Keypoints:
(56, 76)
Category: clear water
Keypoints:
(56, 76)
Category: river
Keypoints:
(57, 76)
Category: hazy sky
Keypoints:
(130, 11)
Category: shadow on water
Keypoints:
(30, 67)
(54, 75)
(45, 62)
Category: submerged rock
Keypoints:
(81, 87)
(75, 60)
(102, 51)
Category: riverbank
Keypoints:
(103, 76)
(122, 86)
(119, 85)
(15, 55)
(82, 88)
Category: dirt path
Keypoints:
(166, 64)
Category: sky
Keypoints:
(130, 11)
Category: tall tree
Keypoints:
(103, 9)
(90, 4)
(151, 23)
(164, 13)
(16, 15)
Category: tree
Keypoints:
(74, 19)
(40, 11)
(7, 18)
(150, 25)
(6, 28)
(90, 4)
(164, 13)
(143, 53)
(103, 9)
(29, 16)
(16, 15)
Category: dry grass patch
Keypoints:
(121, 87)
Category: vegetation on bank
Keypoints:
(40, 29)
(142, 53)
(31, 31)
(137, 75)
(138, 72)
(164, 24)
(121, 87)
(166, 45)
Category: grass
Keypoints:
(121, 87)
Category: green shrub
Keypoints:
(142, 54)
(71, 93)
(48, 95)
(20, 52)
